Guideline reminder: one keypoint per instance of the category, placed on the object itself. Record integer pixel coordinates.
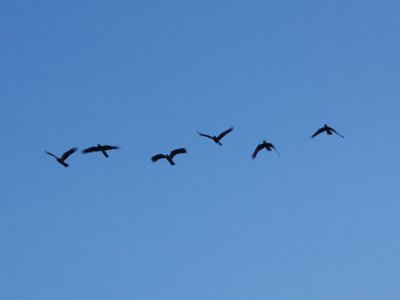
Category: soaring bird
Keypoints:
(170, 156)
(328, 130)
(101, 148)
(263, 145)
(218, 138)
(62, 159)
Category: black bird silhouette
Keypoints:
(170, 156)
(218, 138)
(62, 159)
(328, 130)
(101, 148)
(263, 145)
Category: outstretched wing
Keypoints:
(258, 149)
(337, 133)
(177, 151)
(273, 147)
(68, 153)
(206, 135)
(318, 132)
(221, 135)
(108, 147)
(91, 149)
(51, 154)
(157, 157)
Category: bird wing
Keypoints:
(337, 133)
(68, 153)
(108, 147)
(91, 149)
(275, 150)
(51, 154)
(206, 135)
(157, 157)
(177, 151)
(318, 132)
(258, 149)
(221, 135)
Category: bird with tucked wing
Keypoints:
(100, 148)
(267, 146)
(169, 156)
(62, 159)
(217, 139)
(328, 130)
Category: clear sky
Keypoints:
(319, 222)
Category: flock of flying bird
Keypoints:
(169, 157)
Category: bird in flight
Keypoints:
(328, 130)
(218, 138)
(170, 156)
(62, 159)
(263, 145)
(101, 148)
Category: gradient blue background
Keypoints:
(320, 222)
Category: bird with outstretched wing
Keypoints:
(217, 139)
(264, 145)
(328, 130)
(100, 148)
(169, 157)
(62, 159)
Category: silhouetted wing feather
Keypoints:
(177, 151)
(258, 149)
(91, 149)
(107, 147)
(157, 157)
(337, 133)
(206, 135)
(275, 150)
(318, 132)
(68, 153)
(51, 154)
(224, 133)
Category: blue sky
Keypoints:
(320, 222)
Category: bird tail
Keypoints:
(105, 153)
(64, 164)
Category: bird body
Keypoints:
(266, 145)
(328, 130)
(217, 139)
(62, 159)
(169, 157)
(99, 148)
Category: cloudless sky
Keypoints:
(319, 222)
